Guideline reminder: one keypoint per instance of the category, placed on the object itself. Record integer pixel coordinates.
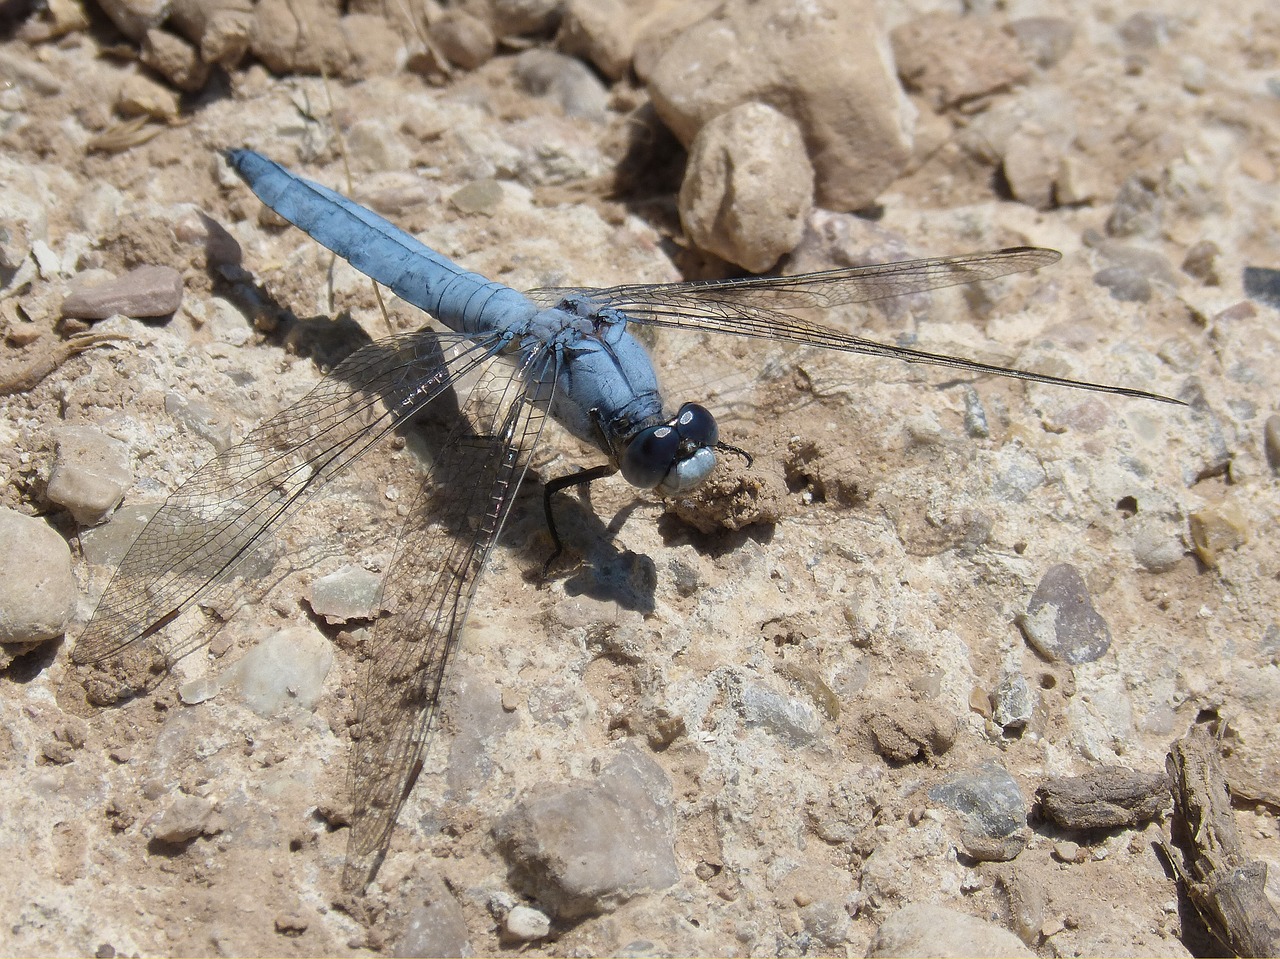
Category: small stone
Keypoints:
(1271, 441)
(174, 59)
(1014, 701)
(290, 924)
(1155, 548)
(145, 292)
(792, 721)
(298, 36)
(524, 924)
(602, 31)
(524, 17)
(464, 40)
(1124, 284)
(345, 594)
(90, 474)
(1200, 263)
(141, 96)
(586, 848)
(1077, 181)
(1045, 40)
(1216, 529)
(478, 196)
(992, 809)
(1137, 210)
(1061, 623)
(563, 80)
(748, 187)
(435, 925)
(1262, 284)
(910, 732)
(181, 820)
(135, 17)
(927, 930)
(288, 667)
(1067, 851)
(980, 60)
(37, 588)
(1031, 164)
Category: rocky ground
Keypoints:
(808, 711)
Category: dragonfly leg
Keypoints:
(580, 478)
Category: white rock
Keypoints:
(37, 590)
(927, 930)
(748, 187)
(526, 924)
(90, 474)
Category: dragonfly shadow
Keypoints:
(605, 572)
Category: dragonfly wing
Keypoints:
(441, 553)
(211, 524)
(755, 306)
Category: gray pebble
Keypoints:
(202, 418)
(1137, 209)
(1124, 283)
(345, 594)
(586, 848)
(286, 668)
(975, 415)
(134, 18)
(37, 590)
(1014, 701)
(1046, 40)
(146, 291)
(1155, 549)
(992, 808)
(793, 721)
(1060, 621)
(435, 925)
(927, 930)
(90, 474)
(1262, 284)
(564, 80)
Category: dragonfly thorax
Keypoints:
(673, 457)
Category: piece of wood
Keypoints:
(1226, 889)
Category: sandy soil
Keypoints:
(901, 544)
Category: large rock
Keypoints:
(824, 64)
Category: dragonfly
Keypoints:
(564, 354)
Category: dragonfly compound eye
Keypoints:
(673, 457)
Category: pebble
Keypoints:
(220, 28)
(141, 96)
(1200, 263)
(1137, 209)
(277, 39)
(24, 198)
(464, 40)
(1262, 284)
(345, 594)
(202, 418)
(992, 809)
(435, 925)
(1124, 284)
(1271, 441)
(907, 732)
(1069, 852)
(1060, 622)
(524, 924)
(147, 291)
(1044, 40)
(748, 187)
(601, 31)
(792, 721)
(981, 59)
(134, 18)
(286, 668)
(927, 930)
(1031, 164)
(1014, 701)
(181, 820)
(565, 81)
(1216, 529)
(587, 847)
(524, 17)
(37, 590)
(90, 474)
(175, 59)
(795, 57)
(1154, 548)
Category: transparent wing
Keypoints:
(754, 306)
(208, 526)
(442, 551)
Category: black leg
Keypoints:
(580, 478)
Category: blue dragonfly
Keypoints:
(563, 353)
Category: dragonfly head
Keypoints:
(673, 457)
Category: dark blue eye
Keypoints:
(673, 457)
